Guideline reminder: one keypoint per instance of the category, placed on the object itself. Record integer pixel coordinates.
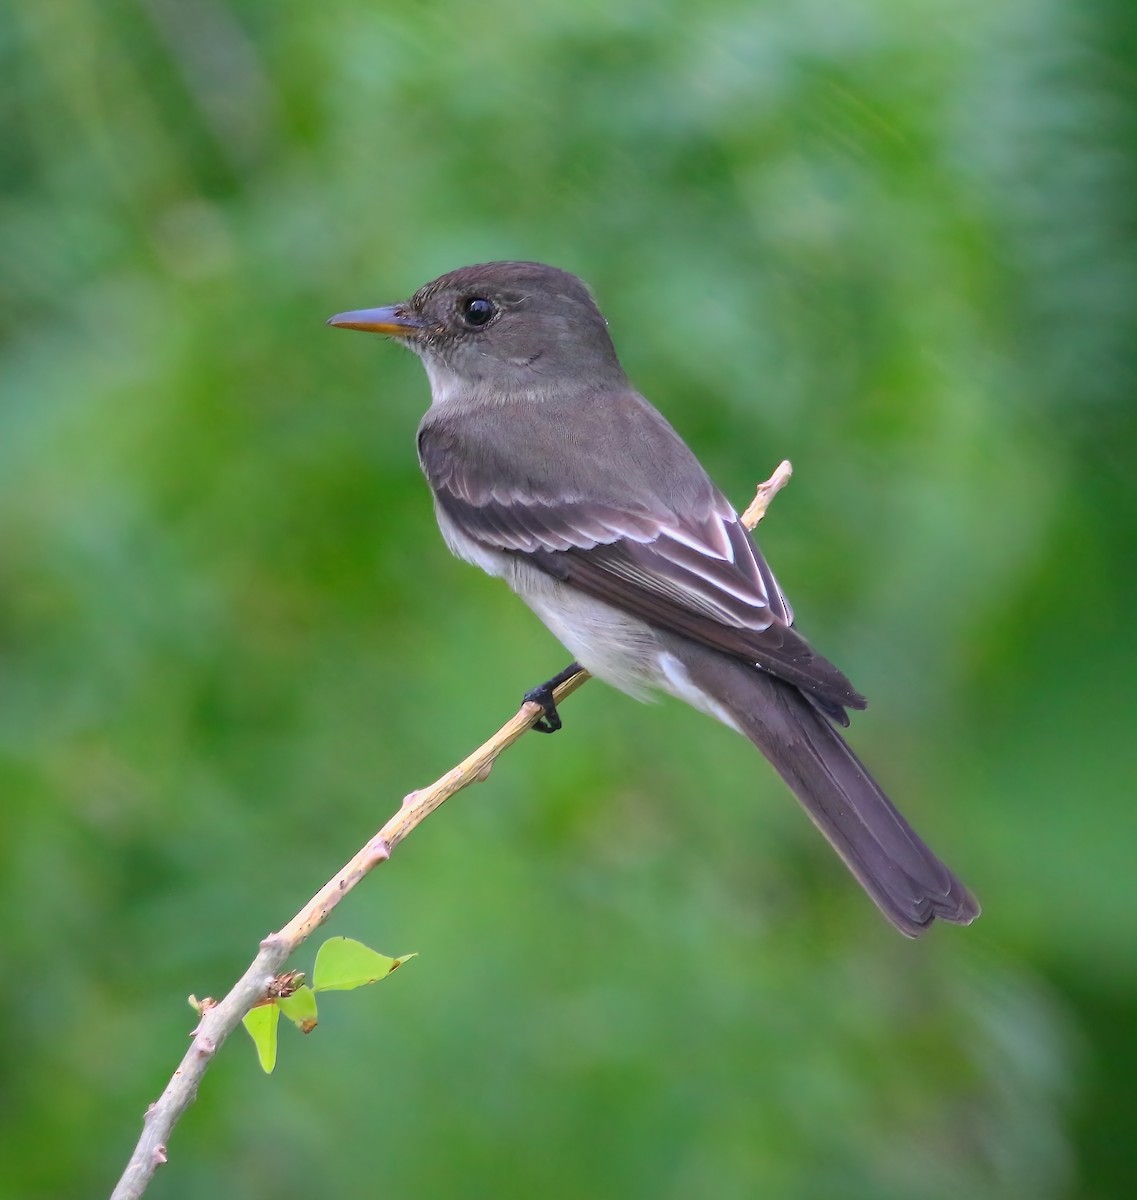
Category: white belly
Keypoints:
(615, 647)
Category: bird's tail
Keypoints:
(904, 878)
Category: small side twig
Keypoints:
(219, 1019)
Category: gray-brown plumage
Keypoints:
(549, 470)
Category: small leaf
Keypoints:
(300, 1008)
(343, 963)
(261, 1022)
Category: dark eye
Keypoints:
(477, 311)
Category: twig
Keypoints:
(220, 1018)
(766, 492)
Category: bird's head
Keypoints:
(506, 327)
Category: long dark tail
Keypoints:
(905, 879)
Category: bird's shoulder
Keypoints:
(611, 447)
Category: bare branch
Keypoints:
(219, 1019)
(766, 492)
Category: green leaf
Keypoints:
(300, 1008)
(261, 1022)
(343, 963)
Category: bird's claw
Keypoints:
(550, 722)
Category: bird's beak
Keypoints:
(395, 321)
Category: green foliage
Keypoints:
(893, 243)
(342, 964)
(262, 1023)
(300, 1008)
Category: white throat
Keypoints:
(444, 383)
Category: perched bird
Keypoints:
(550, 470)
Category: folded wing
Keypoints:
(696, 572)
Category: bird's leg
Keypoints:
(543, 695)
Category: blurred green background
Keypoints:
(895, 243)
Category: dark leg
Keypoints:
(543, 695)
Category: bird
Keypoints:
(552, 472)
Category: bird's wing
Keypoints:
(696, 573)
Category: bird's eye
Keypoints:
(477, 311)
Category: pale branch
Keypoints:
(766, 492)
(220, 1018)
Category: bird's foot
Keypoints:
(542, 695)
